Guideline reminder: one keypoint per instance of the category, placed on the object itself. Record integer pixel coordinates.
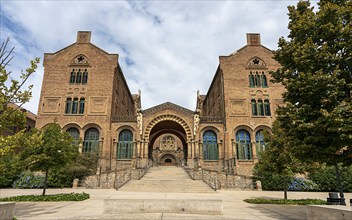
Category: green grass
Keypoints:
(287, 201)
(47, 198)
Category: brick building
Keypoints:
(85, 90)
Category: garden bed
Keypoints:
(286, 201)
(47, 198)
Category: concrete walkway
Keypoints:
(233, 205)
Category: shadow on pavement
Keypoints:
(290, 212)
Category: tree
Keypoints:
(11, 92)
(316, 70)
(56, 149)
(278, 160)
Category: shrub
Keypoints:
(271, 181)
(84, 165)
(10, 169)
(47, 198)
(29, 180)
(325, 177)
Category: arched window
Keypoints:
(75, 106)
(264, 80)
(259, 142)
(68, 106)
(257, 80)
(73, 76)
(267, 111)
(254, 107)
(74, 133)
(85, 77)
(260, 107)
(210, 146)
(79, 76)
(251, 80)
(81, 105)
(91, 140)
(125, 145)
(243, 145)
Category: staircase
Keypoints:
(167, 179)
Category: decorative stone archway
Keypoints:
(172, 125)
(168, 117)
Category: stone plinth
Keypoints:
(331, 212)
(190, 206)
(6, 210)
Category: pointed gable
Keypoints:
(167, 106)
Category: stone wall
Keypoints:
(220, 180)
(109, 180)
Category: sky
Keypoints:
(167, 49)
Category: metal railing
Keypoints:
(126, 177)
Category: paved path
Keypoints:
(234, 207)
(160, 183)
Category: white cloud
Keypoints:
(174, 45)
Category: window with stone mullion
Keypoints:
(68, 107)
(81, 105)
(251, 80)
(74, 106)
(260, 108)
(73, 76)
(254, 107)
(79, 77)
(91, 140)
(125, 145)
(267, 111)
(264, 80)
(243, 145)
(210, 146)
(257, 80)
(85, 77)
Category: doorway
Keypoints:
(168, 160)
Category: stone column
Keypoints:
(135, 153)
(190, 154)
(196, 152)
(254, 151)
(233, 148)
(189, 149)
(221, 156)
(200, 146)
(143, 148)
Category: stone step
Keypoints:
(166, 179)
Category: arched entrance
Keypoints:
(168, 135)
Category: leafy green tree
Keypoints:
(12, 92)
(56, 149)
(316, 70)
(325, 177)
(278, 160)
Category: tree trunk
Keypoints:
(339, 184)
(285, 193)
(45, 181)
(285, 188)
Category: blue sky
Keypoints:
(168, 49)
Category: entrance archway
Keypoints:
(168, 125)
